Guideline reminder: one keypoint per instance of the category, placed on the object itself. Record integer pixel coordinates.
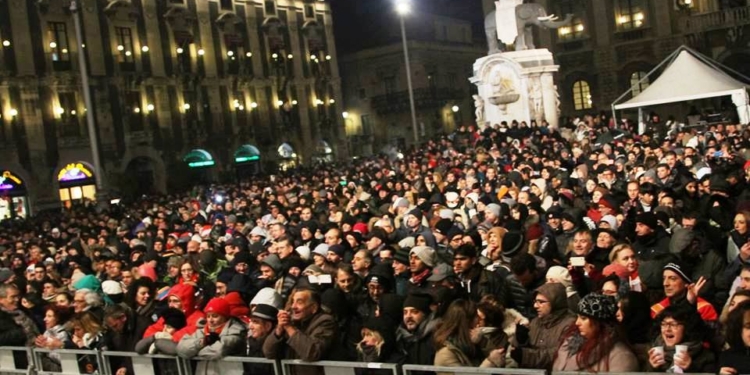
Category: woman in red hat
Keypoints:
(217, 336)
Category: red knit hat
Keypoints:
(217, 306)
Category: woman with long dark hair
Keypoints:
(140, 299)
(453, 339)
(595, 342)
(736, 359)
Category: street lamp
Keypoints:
(454, 108)
(403, 8)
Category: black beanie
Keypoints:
(420, 302)
(648, 219)
(174, 318)
(417, 213)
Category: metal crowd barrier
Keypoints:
(338, 368)
(144, 364)
(8, 360)
(69, 361)
(618, 373)
(410, 369)
(236, 365)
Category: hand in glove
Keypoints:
(517, 355)
(211, 338)
(200, 324)
(522, 334)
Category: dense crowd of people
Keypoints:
(575, 249)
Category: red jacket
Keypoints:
(186, 293)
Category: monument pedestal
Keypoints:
(516, 85)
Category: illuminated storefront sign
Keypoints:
(74, 172)
(9, 181)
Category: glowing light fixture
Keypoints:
(144, 49)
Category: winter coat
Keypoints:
(478, 282)
(186, 293)
(231, 342)
(619, 359)
(702, 359)
(312, 342)
(11, 333)
(144, 318)
(544, 333)
(417, 346)
(737, 359)
(653, 254)
(451, 356)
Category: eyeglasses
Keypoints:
(665, 325)
(540, 301)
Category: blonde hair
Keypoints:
(616, 251)
(378, 337)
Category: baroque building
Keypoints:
(612, 45)
(213, 83)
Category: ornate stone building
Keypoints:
(612, 44)
(166, 77)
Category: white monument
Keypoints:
(516, 85)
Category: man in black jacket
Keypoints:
(414, 336)
(474, 279)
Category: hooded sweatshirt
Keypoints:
(545, 332)
(186, 293)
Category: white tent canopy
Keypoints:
(689, 76)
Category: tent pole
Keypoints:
(641, 124)
(614, 116)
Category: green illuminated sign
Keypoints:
(199, 164)
(243, 159)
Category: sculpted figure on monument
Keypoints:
(516, 19)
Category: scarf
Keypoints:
(420, 277)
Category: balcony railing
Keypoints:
(715, 20)
(424, 98)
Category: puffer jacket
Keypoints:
(231, 342)
(545, 332)
(478, 282)
(311, 343)
(186, 293)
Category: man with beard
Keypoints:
(414, 336)
(305, 332)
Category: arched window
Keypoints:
(582, 95)
(636, 84)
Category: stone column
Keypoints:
(550, 99)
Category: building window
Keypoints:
(631, 14)
(177, 1)
(58, 45)
(362, 93)
(390, 85)
(366, 125)
(68, 111)
(125, 48)
(309, 11)
(134, 111)
(452, 80)
(270, 7)
(636, 84)
(582, 95)
(226, 5)
(575, 29)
